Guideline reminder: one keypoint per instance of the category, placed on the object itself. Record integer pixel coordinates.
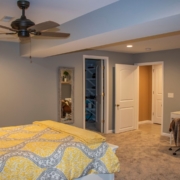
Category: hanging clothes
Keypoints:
(175, 128)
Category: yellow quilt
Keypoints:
(52, 150)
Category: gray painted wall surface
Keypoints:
(171, 61)
(76, 60)
(29, 91)
(26, 92)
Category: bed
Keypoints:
(49, 150)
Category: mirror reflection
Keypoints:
(66, 95)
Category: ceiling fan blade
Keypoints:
(8, 33)
(43, 26)
(55, 34)
(25, 39)
(4, 27)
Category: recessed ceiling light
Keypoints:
(129, 46)
(7, 19)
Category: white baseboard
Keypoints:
(110, 131)
(165, 134)
(145, 122)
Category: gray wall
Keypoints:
(29, 91)
(76, 60)
(26, 92)
(171, 61)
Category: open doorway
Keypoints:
(145, 94)
(95, 93)
(127, 96)
(94, 88)
(150, 97)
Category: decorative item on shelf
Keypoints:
(66, 107)
(94, 75)
(65, 76)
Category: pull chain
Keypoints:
(30, 52)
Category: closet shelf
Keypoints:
(91, 71)
(91, 109)
(91, 79)
(90, 89)
(91, 100)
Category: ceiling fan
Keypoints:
(24, 27)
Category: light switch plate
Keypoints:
(170, 95)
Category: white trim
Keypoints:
(106, 89)
(165, 134)
(145, 122)
(155, 63)
(149, 63)
(83, 91)
(137, 101)
(152, 98)
(110, 131)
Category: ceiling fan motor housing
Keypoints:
(22, 24)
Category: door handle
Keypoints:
(117, 105)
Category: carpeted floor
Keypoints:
(145, 155)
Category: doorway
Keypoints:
(127, 95)
(95, 93)
(151, 93)
(145, 94)
(94, 88)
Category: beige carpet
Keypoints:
(145, 155)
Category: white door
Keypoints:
(126, 97)
(157, 93)
(100, 96)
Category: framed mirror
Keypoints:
(66, 95)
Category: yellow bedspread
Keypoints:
(52, 150)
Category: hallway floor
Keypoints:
(144, 154)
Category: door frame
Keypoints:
(151, 64)
(106, 89)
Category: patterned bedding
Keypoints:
(48, 150)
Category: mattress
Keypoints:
(51, 150)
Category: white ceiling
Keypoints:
(157, 31)
(59, 11)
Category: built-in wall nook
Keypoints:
(66, 95)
